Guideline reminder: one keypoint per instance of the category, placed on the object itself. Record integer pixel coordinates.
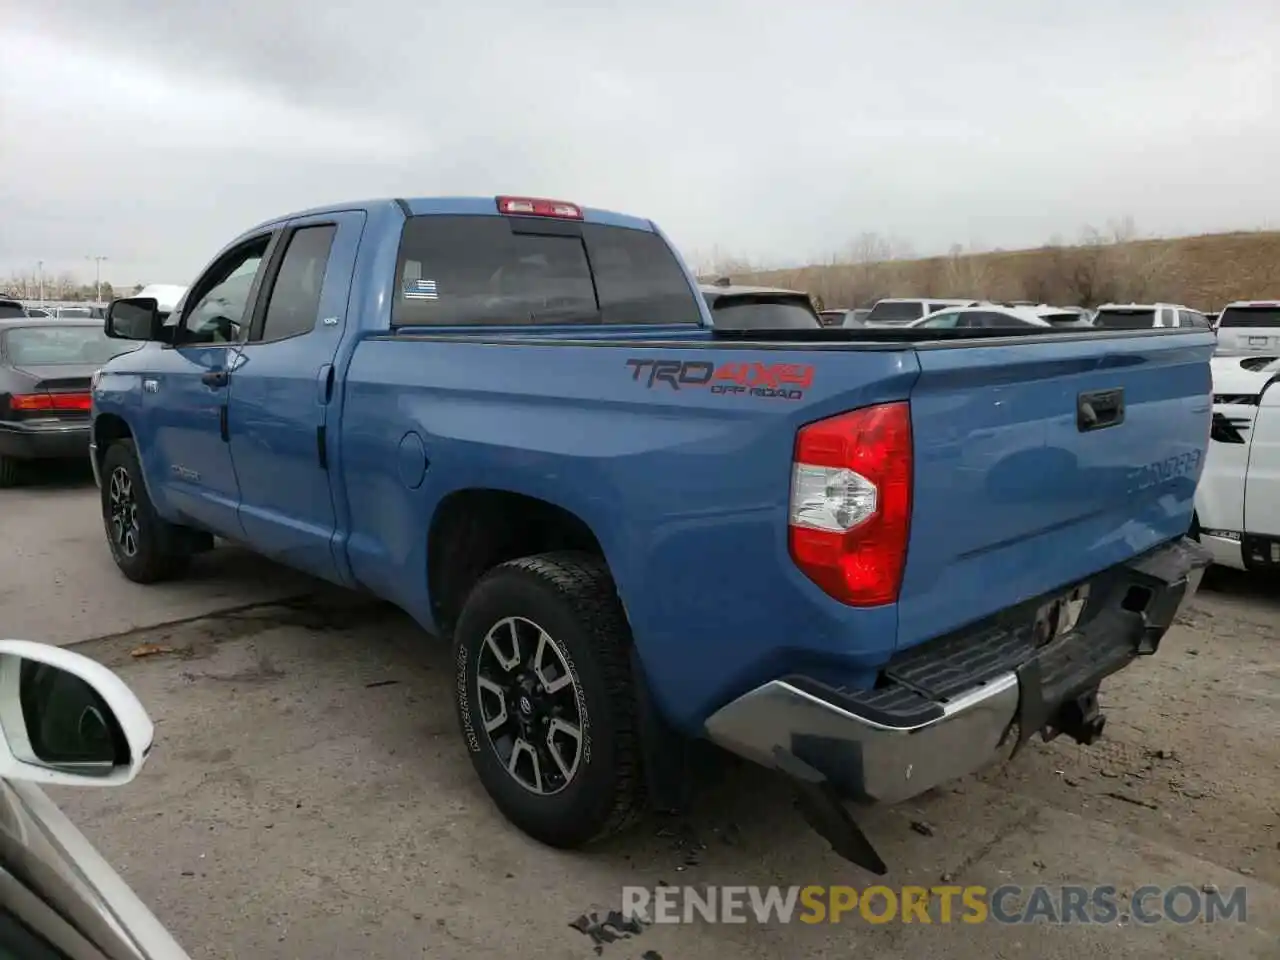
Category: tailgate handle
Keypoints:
(1100, 409)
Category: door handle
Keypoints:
(214, 378)
(1099, 410)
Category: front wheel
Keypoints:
(145, 546)
(544, 696)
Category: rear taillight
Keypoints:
(51, 402)
(851, 503)
(532, 207)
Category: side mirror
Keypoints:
(66, 719)
(134, 318)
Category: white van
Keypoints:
(1249, 326)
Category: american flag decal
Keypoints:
(420, 290)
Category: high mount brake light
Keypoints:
(850, 515)
(51, 401)
(533, 207)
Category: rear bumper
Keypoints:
(44, 440)
(954, 705)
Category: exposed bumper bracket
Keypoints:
(820, 805)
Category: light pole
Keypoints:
(97, 278)
(40, 279)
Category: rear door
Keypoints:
(1254, 328)
(1020, 490)
(1262, 494)
(279, 405)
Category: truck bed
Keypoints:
(676, 452)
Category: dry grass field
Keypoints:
(1205, 272)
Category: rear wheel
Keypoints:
(9, 471)
(544, 696)
(145, 546)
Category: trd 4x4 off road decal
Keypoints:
(786, 381)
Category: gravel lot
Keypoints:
(310, 796)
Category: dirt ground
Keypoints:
(310, 796)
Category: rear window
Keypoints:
(899, 312)
(1250, 317)
(53, 344)
(1125, 319)
(1060, 318)
(10, 310)
(764, 313)
(478, 270)
(75, 312)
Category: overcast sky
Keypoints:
(152, 132)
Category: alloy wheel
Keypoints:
(530, 705)
(123, 509)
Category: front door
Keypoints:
(279, 413)
(184, 396)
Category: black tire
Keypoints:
(10, 472)
(158, 551)
(571, 597)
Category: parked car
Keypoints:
(1140, 316)
(1238, 501)
(516, 419)
(996, 315)
(896, 311)
(845, 318)
(45, 366)
(1249, 326)
(12, 309)
(1058, 316)
(67, 721)
(759, 308)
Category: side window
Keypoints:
(217, 311)
(943, 321)
(1166, 317)
(1192, 319)
(294, 301)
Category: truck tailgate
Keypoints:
(1026, 480)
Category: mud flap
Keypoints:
(821, 807)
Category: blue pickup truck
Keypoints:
(872, 560)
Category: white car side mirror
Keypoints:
(66, 719)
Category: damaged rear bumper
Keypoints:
(955, 704)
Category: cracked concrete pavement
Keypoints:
(310, 796)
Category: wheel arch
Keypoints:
(473, 530)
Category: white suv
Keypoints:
(1143, 316)
(1249, 326)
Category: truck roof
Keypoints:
(456, 206)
